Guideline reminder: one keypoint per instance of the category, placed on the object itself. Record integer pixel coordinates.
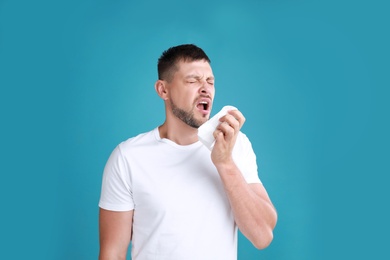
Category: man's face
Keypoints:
(191, 92)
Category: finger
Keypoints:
(227, 130)
(218, 135)
(232, 121)
(238, 116)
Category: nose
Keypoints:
(205, 88)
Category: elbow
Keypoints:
(264, 234)
(261, 235)
(263, 241)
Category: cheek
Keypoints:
(212, 93)
(182, 98)
(188, 94)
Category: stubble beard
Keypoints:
(185, 116)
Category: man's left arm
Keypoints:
(252, 208)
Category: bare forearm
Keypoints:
(253, 211)
(252, 208)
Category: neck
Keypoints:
(177, 131)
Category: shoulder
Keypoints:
(138, 140)
(242, 142)
(243, 149)
(137, 145)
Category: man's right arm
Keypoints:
(115, 228)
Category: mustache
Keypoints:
(204, 96)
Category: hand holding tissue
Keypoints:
(205, 131)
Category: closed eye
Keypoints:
(210, 80)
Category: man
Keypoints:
(167, 194)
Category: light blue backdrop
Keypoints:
(311, 77)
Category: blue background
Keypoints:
(311, 77)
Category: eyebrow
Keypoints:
(198, 77)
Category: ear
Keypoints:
(161, 89)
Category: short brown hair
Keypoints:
(167, 63)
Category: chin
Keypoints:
(201, 122)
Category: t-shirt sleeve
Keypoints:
(116, 193)
(245, 158)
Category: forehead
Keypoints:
(199, 67)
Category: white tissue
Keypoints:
(205, 131)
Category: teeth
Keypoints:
(203, 102)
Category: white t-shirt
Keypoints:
(180, 207)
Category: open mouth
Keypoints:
(204, 106)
